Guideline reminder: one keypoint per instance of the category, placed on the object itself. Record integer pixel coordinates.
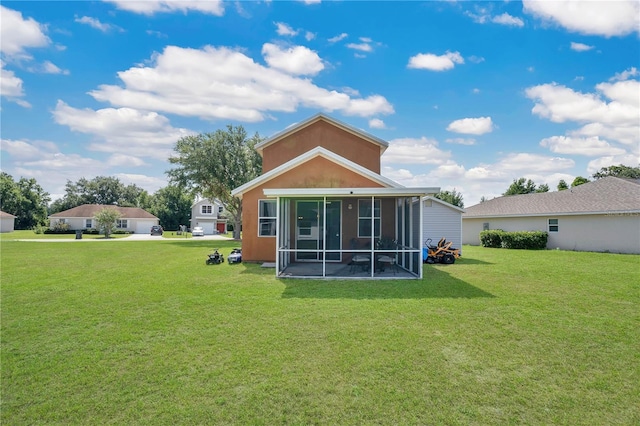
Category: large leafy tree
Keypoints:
(25, 199)
(101, 190)
(562, 185)
(621, 171)
(579, 180)
(172, 205)
(525, 186)
(451, 197)
(106, 220)
(213, 164)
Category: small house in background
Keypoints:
(601, 216)
(441, 219)
(7, 222)
(132, 219)
(207, 213)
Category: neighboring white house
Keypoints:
(132, 219)
(206, 214)
(441, 219)
(603, 215)
(7, 222)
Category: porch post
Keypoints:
(420, 236)
(324, 236)
(278, 236)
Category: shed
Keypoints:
(441, 219)
(7, 222)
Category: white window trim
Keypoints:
(274, 218)
(209, 209)
(120, 222)
(379, 218)
(556, 225)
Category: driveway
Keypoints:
(133, 237)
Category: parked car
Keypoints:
(197, 232)
(156, 230)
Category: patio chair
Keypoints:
(358, 260)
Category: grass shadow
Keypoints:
(435, 284)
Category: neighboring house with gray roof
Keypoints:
(603, 215)
(132, 219)
(7, 222)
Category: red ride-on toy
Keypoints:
(215, 258)
(441, 253)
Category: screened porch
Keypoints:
(347, 233)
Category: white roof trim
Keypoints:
(444, 203)
(302, 124)
(315, 152)
(348, 192)
(605, 213)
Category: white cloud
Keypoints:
(475, 90)
(414, 151)
(606, 18)
(125, 160)
(309, 35)
(608, 160)
(95, 23)
(221, 83)
(284, 29)
(150, 7)
(338, 38)
(18, 34)
(471, 126)
(376, 123)
(47, 67)
(297, 60)
(591, 146)
(364, 47)
(580, 47)
(11, 86)
(506, 19)
(433, 62)
(615, 119)
(461, 141)
(143, 134)
(625, 75)
(312, 1)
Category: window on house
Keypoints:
(122, 223)
(220, 209)
(207, 209)
(266, 218)
(553, 225)
(485, 226)
(88, 224)
(364, 218)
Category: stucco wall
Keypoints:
(315, 173)
(614, 233)
(321, 133)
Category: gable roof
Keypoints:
(315, 152)
(444, 203)
(6, 215)
(321, 117)
(90, 210)
(606, 195)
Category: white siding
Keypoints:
(613, 233)
(6, 224)
(142, 226)
(442, 221)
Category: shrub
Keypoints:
(40, 229)
(491, 238)
(527, 240)
(60, 228)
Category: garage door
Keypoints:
(144, 226)
(208, 227)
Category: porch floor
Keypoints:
(342, 270)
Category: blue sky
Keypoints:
(469, 95)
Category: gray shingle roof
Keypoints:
(5, 214)
(90, 210)
(606, 195)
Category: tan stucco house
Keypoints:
(603, 215)
(322, 209)
(132, 219)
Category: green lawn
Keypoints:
(146, 333)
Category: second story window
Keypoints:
(207, 209)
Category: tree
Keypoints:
(172, 205)
(25, 199)
(562, 185)
(579, 180)
(521, 186)
(543, 188)
(106, 220)
(100, 190)
(213, 164)
(452, 197)
(620, 171)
